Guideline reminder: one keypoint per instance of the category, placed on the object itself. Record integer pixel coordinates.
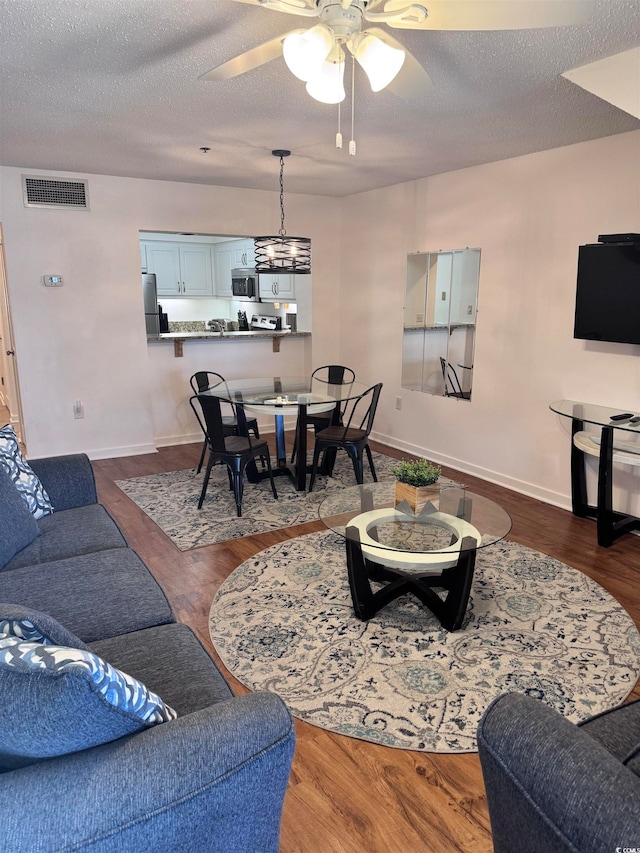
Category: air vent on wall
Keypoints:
(54, 192)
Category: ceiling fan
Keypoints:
(317, 55)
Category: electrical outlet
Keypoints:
(470, 310)
(78, 409)
(419, 318)
(443, 297)
(399, 403)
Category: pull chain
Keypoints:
(352, 143)
(338, 134)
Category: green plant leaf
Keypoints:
(418, 472)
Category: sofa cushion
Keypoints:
(70, 533)
(95, 596)
(617, 729)
(36, 627)
(24, 479)
(632, 761)
(69, 480)
(58, 700)
(19, 527)
(170, 660)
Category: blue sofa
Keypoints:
(212, 779)
(556, 787)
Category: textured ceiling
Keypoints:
(111, 87)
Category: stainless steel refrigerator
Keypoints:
(150, 294)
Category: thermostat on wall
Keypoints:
(52, 280)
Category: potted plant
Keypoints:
(416, 482)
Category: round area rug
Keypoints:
(283, 622)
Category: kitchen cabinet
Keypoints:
(223, 262)
(276, 287)
(181, 269)
(243, 254)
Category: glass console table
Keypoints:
(618, 441)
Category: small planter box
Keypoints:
(416, 496)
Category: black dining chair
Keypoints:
(452, 386)
(328, 374)
(203, 380)
(353, 439)
(234, 451)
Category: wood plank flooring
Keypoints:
(346, 795)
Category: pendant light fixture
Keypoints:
(280, 253)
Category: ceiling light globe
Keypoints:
(304, 53)
(380, 61)
(327, 86)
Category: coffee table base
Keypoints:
(449, 610)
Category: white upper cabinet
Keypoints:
(196, 270)
(181, 269)
(244, 254)
(276, 287)
(223, 263)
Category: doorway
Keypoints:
(10, 404)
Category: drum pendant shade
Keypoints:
(281, 253)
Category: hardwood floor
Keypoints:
(346, 795)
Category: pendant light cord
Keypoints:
(282, 231)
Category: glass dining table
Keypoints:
(287, 395)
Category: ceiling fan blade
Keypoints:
(412, 80)
(307, 8)
(495, 14)
(253, 58)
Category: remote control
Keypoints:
(635, 419)
(621, 417)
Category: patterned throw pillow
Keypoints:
(36, 627)
(59, 700)
(26, 482)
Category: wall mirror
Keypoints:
(441, 297)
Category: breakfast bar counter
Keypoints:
(178, 338)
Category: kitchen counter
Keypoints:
(178, 338)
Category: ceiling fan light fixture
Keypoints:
(280, 253)
(380, 62)
(327, 85)
(305, 52)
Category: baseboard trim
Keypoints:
(521, 486)
(195, 437)
(115, 452)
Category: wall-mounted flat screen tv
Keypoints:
(608, 293)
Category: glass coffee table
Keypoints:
(402, 552)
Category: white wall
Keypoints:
(173, 419)
(528, 215)
(86, 341)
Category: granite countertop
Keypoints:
(205, 336)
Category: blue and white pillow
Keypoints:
(120, 690)
(57, 700)
(24, 479)
(35, 626)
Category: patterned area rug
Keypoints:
(171, 500)
(283, 622)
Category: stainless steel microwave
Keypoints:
(244, 287)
